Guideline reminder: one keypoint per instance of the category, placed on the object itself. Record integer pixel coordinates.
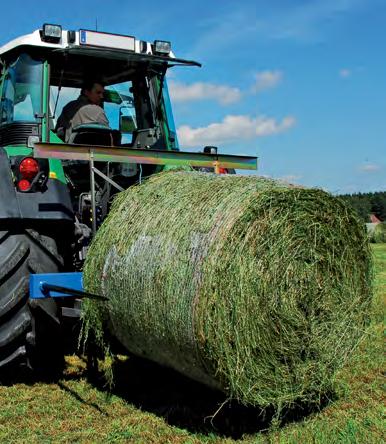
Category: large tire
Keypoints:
(30, 340)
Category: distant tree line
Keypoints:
(367, 203)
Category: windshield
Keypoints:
(118, 105)
(134, 102)
(21, 94)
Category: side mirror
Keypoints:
(127, 122)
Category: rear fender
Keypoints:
(52, 203)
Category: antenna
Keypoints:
(96, 23)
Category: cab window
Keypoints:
(21, 96)
(120, 110)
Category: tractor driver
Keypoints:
(87, 108)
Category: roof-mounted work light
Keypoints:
(51, 33)
(162, 47)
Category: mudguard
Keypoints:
(54, 203)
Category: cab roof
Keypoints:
(109, 46)
(76, 53)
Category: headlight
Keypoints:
(51, 33)
(162, 47)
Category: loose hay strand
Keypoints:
(246, 284)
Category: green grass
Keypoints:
(74, 410)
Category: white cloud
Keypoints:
(225, 95)
(370, 167)
(266, 80)
(344, 73)
(232, 128)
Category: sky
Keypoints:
(299, 84)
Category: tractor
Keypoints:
(55, 195)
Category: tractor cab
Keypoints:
(41, 73)
(45, 70)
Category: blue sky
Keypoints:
(301, 84)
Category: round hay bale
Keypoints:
(251, 286)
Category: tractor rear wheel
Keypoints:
(30, 340)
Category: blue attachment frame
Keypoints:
(68, 280)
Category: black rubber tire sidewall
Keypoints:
(30, 337)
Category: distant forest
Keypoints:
(367, 203)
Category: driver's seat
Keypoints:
(95, 134)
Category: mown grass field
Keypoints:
(154, 405)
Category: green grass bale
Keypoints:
(249, 285)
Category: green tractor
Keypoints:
(54, 195)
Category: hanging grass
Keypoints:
(249, 285)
